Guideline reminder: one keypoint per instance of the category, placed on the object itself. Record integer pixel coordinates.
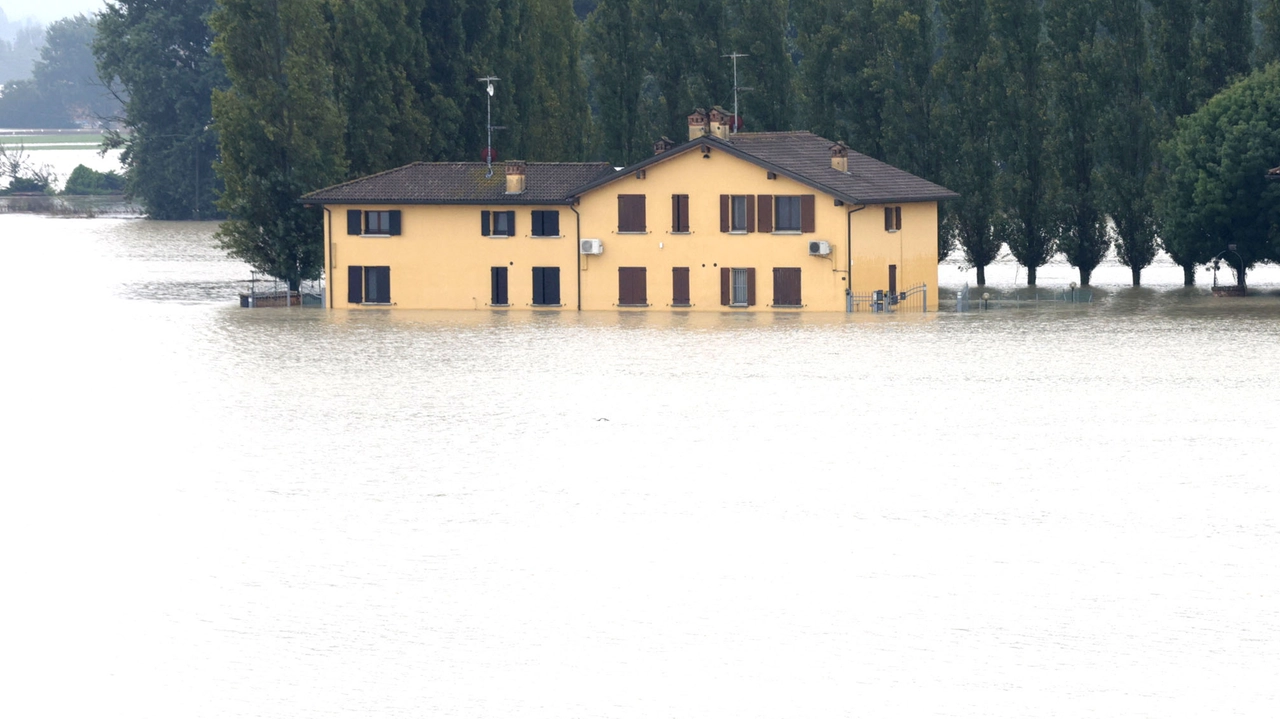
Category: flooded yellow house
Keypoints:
(784, 221)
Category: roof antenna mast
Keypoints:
(488, 122)
(737, 119)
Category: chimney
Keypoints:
(515, 176)
(840, 157)
(662, 145)
(720, 120)
(697, 124)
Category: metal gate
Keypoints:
(913, 299)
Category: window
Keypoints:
(546, 223)
(498, 287)
(546, 286)
(892, 219)
(787, 213)
(373, 222)
(498, 224)
(737, 213)
(679, 213)
(680, 287)
(368, 285)
(631, 213)
(631, 287)
(738, 286)
(786, 287)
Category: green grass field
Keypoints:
(53, 142)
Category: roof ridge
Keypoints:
(365, 177)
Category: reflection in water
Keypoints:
(1052, 510)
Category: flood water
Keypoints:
(1041, 511)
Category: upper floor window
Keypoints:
(787, 213)
(373, 222)
(546, 223)
(737, 213)
(679, 213)
(498, 224)
(631, 213)
(892, 219)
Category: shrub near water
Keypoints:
(87, 181)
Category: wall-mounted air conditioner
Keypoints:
(819, 248)
(591, 247)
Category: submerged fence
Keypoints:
(967, 300)
(913, 299)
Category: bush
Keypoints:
(87, 181)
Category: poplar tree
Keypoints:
(1269, 18)
(969, 86)
(684, 46)
(280, 132)
(759, 28)
(548, 89)
(1128, 137)
(1223, 46)
(157, 55)
(1026, 221)
(836, 40)
(1076, 78)
(619, 56)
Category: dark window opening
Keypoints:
(373, 222)
(787, 214)
(546, 285)
(892, 219)
(546, 223)
(679, 213)
(498, 224)
(368, 285)
(680, 287)
(498, 286)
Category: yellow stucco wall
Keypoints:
(441, 261)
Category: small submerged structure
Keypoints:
(1238, 289)
(278, 295)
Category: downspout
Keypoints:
(848, 250)
(328, 270)
(577, 261)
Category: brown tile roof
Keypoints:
(464, 183)
(806, 158)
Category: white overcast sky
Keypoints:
(46, 11)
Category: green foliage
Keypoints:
(87, 181)
(759, 29)
(280, 132)
(157, 54)
(68, 73)
(1026, 222)
(619, 55)
(969, 88)
(24, 175)
(1217, 194)
(1078, 81)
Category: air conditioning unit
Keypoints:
(820, 248)
(591, 247)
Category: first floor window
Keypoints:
(787, 213)
(737, 213)
(373, 222)
(632, 289)
(679, 286)
(498, 224)
(786, 287)
(498, 286)
(368, 285)
(892, 219)
(546, 285)
(738, 286)
(546, 223)
(739, 217)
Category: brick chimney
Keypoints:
(840, 157)
(697, 124)
(720, 119)
(662, 145)
(515, 176)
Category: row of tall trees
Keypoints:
(1047, 116)
(63, 89)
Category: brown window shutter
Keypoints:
(751, 214)
(897, 218)
(640, 216)
(355, 284)
(888, 219)
(684, 213)
(765, 203)
(624, 221)
(725, 282)
(724, 214)
(675, 213)
(679, 285)
(751, 286)
(807, 223)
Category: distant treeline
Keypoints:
(48, 78)
(1054, 119)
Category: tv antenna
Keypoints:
(488, 122)
(737, 119)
